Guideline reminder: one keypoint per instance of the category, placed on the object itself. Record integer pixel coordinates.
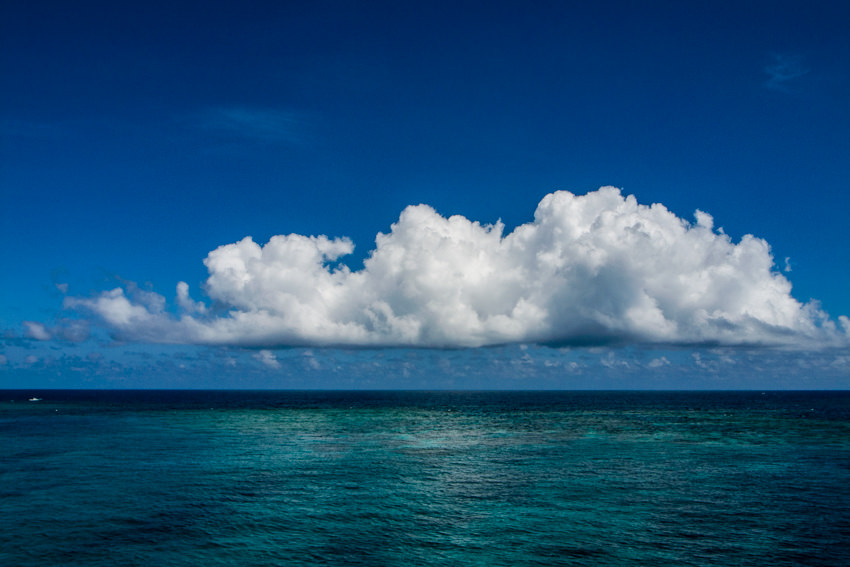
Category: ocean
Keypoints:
(397, 478)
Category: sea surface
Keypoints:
(160, 478)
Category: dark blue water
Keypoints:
(424, 478)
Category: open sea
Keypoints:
(389, 478)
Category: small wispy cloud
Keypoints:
(70, 330)
(268, 358)
(783, 69)
(37, 331)
(258, 124)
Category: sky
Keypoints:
(502, 195)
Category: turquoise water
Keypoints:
(424, 478)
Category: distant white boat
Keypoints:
(35, 399)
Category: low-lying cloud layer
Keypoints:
(592, 269)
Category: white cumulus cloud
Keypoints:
(268, 358)
(592, 269)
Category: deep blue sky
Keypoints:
(137, 138)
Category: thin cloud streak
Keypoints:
(783, 70)
(258, 124)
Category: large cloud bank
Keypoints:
(592, 269)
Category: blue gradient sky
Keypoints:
(136, 139)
